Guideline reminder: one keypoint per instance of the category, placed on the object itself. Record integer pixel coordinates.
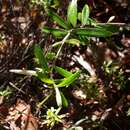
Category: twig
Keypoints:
(116, 24)
(62, 43)
(16, 87)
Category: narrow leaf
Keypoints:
(85, 15)
(56, 32)
(64, 100)
(44, 78)
(63, 72)
(69, 80)
(47, 80)
(24, 72)
(69, 41)
(57, 81)
(58, 19)
(40, 58)
(72, 13)
(58, 97)
(108, 27)
(93, 32)
(79, 16)
(73, 41)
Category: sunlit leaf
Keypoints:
(58, 19)
(85, 15)
(24, 72)
(58, 97)
(72, 13)
(47, 80)
(79, 16)
(63, 72)
(73, 41)
(69, 41)
(43, 77)
(67, 81)
(40, 58)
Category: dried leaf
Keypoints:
(21, 118)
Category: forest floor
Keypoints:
(100, 103)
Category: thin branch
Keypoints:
(62, 43)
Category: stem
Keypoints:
(43, 101)
(63, 42)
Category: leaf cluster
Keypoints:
(80, 26)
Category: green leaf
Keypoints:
(128, 112)
(56, 4)
(67, 81)
(79, 16)
(56, 32)
(44, 78)
(58, 19)
(64, 100)
(69, 41)
(73, 41)
(85, 15)
(58, 97)
(63, 72)
(109, 27)
(93, 32)
(92, 22)
(47, 80)
(72, 13)
(57, 81)
(40, 58)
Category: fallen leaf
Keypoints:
(21, 118)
